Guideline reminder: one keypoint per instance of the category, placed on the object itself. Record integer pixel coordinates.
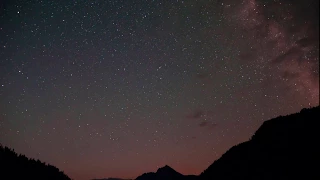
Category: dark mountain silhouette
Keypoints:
(282, 148)
(15, 166)
(166, 173)
(111, 179)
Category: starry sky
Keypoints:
(117, 88)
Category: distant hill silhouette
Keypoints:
(286, 147)
(165, 173)
(283, 148)
(16, 167)
(111, 179)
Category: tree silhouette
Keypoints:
(14, 166)
(282, 148)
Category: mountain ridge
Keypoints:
(14, 166)
(111, 179)
(167, 173)
(282, 148)
(271, 153)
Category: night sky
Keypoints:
(119, 88)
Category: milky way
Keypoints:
(283, 38)
(119, 88)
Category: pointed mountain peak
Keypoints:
(163, 173)
(167, 170)
(166, 167)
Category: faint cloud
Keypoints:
(208, 124)
(196, 114)
(204, 117)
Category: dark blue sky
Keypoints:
(119, 88)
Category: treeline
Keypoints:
(14, 166)
(282, 148)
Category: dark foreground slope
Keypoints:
(286, 147)
(13, 166)
(283, 148)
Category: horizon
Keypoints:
(167, 167)
(119, 88)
